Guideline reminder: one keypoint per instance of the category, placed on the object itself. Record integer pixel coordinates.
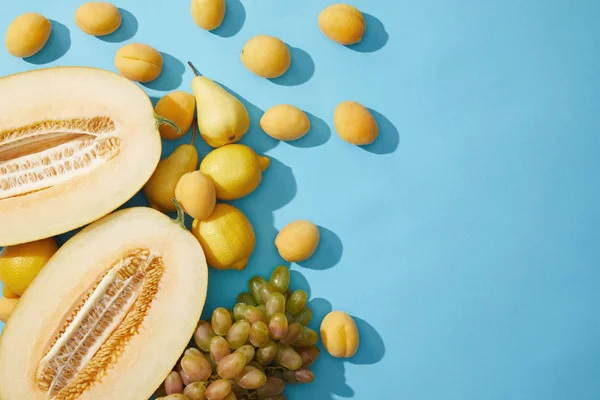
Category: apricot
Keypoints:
(354, 123)
(342, 23)
(27, 34)
(285, 122)
(297, 241)
(196, 194)
(178, 107)
(266, 56)
(139, 62)
(98, 18)
(208, 14)
(339, 334)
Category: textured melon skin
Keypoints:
(166, 329)
(65, 93)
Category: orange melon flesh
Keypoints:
(75, 144)
(51, 307)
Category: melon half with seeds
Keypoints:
(75, 144)
(110, 313)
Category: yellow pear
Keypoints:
(160, 188)
(222, 118)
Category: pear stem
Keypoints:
(180, 214)
(164, 121)
(193, 131)
(193, 68)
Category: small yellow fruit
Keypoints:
(20, 264)
(235, 170)
(6, 307)
(139, 62)
(208, 14)
(98, 18)
(177, 106)
(227, 237)
(285, 122)
(355, 124)
(27, 34)
(297, 241)
(339, 334)
(196, 194)
(6, 292)
(342, 23)
(266, 56)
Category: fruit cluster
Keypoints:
(251, 351)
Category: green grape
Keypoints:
(288, 357)
(204, 334)
(230, 396)
(251, 378)
(218, 390)
(195, 391)
(308, 354)
(267, 353)
(246, 298)
(265, 291)
(184, 377)
(280, 278)
(239, 311)
(219, 348)
(304, 375)
(238, 334)
(237, 390)
(257, 366)
(272, 387)
(231, 366)
(297, 301)
(289, 376)
(289, 317)
(278, 326)
(275, 304)
(192, 351)
(254, 285)
(173, 383)
(259, 334)
(293, 333)
(254, 314)
(221, 321)
(248, 352)
(304, 316)
(197, 369)
(262, 308)
(213, 364)
(307, 337)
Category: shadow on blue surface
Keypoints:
(319, 133)
(127, 30)
(372, 348)
(298, 281)
(171, 76)
(329, 252)
(300, 71)
(375, 36)
(388, 140)
(235, 16)
(58, 44)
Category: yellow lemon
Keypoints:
(20, 264)
(227, 237)
(236, 170)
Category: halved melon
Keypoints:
(75, 144)
(110, 313)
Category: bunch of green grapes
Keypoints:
(252, 351)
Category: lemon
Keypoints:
(20, 264)
(227, 237)
(236, 170)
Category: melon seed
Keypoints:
(100, 327)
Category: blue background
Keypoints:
(465, 240)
